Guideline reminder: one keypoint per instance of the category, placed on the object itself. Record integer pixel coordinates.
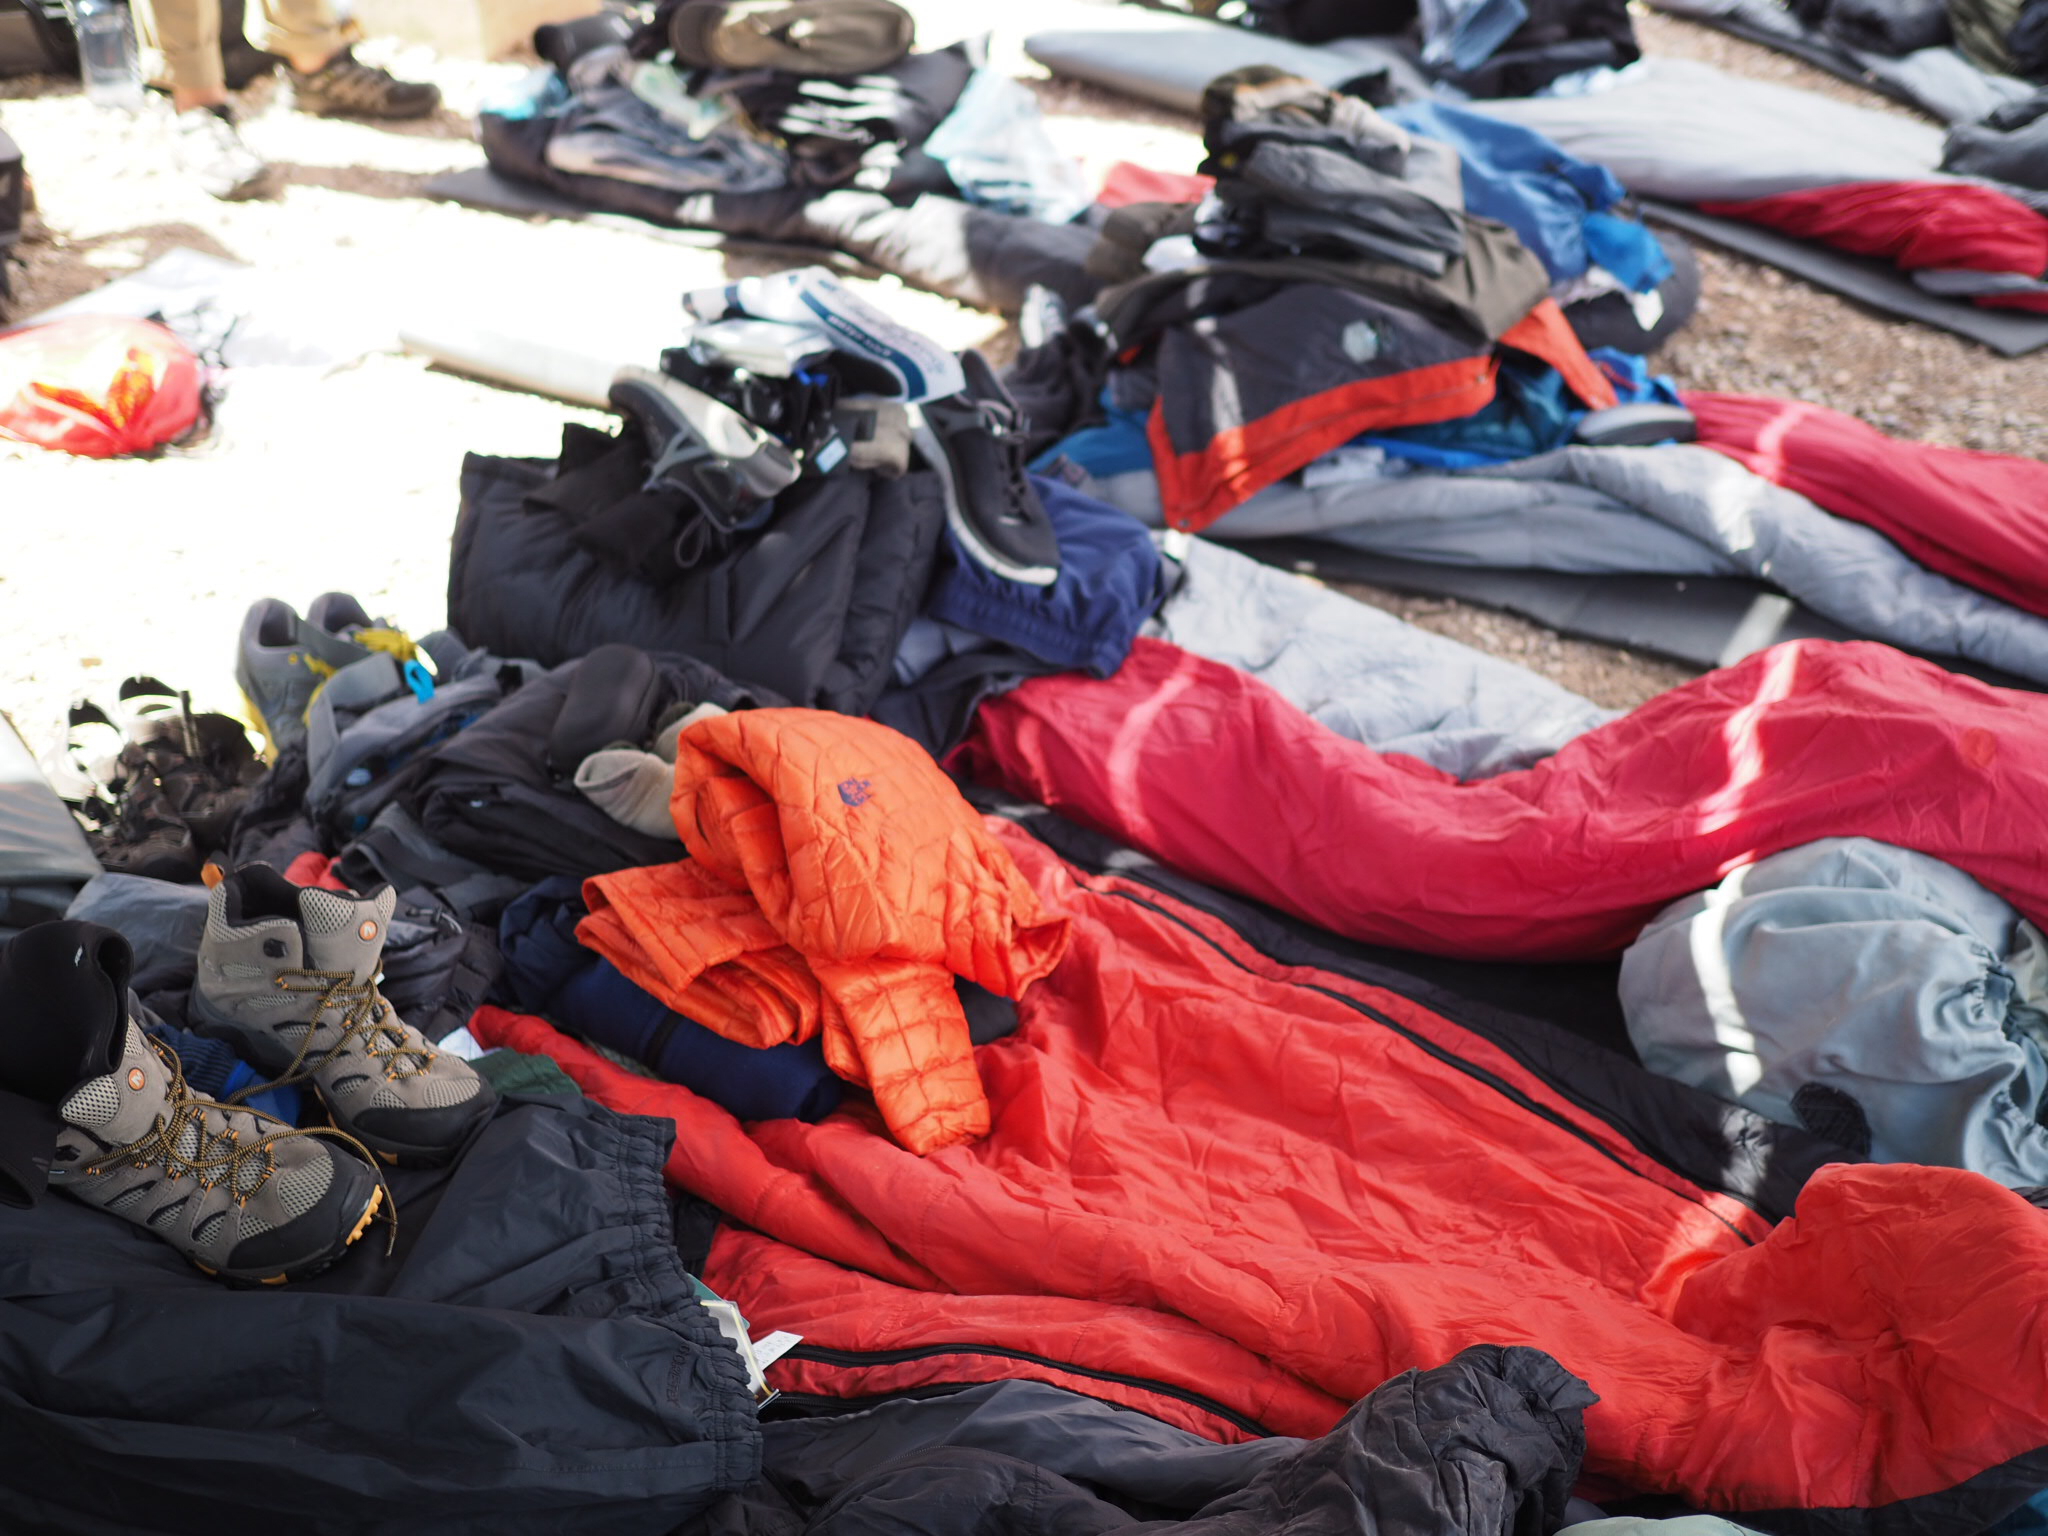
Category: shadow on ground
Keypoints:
(53, 269)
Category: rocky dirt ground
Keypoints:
(345, 478)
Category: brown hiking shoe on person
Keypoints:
(346, 87)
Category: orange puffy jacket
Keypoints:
(837, 882)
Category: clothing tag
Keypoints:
(460, 1042)
(771, 1349)
(734, 1327)
(1172, 253)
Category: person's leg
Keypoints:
(325, 75)
(306, 34)
(187, 34)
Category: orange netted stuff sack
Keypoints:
(97, 385)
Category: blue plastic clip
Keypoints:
(419, 680)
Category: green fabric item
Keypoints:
(514, 1072)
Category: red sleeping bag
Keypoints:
(1955, 225)
(1214, 773)
(99, 386)
(1981, 518)
(1240, 1194)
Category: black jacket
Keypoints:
(812, 605)
(501, 792)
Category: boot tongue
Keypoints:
(122, 1106)
(345, 932)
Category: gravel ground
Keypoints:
(346, 479)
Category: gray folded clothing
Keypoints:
(632, 785)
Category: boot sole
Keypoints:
(309, 1270)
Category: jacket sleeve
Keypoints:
(905, 1026)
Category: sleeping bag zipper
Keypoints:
(854, 1359)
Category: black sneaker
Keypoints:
(346, 87)
(973, 440)
(792, 37)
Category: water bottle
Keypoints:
(106, 53)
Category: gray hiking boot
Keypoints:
(288, 975)
(283, 659)
(241, 1195)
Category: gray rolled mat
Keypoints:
(2011, 332)
(1171, 64)
(1704, 621)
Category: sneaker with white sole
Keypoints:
(288, 976)
(975, 443)
(682, 424)
(210, 150)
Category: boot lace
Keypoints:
(365, 1016)
(1007, 438)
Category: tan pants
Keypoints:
(187, 34)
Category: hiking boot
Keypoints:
(211, 152)
(794, 37)
(241, 1195)
(975, 443)
(141, 832)
(205, 768)
(288, 975)
(346, 87)
(283, 659)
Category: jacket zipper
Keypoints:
(820, 1355)
(1469, 1068)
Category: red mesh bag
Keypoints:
(97, 385)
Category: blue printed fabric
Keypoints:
(1557, 204)
(1531, 412)
(213, 1070)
